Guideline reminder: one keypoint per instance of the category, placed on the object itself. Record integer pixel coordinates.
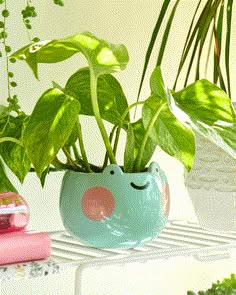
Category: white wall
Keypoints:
(122, 21)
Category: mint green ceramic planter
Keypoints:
(113, 209)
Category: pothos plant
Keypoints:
(168, 118)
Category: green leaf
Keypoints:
(225, 287)
(12, 153)
(153, 40)
(37, 53)
(49, 127)
(199, 34)
(188, 42)
(103, 57)
(43, 176)
(5, 184)
(208, 110)
(4, 112)
(129, 155)
(169, 133)
(217, 73)
(150, 146)
(111, 98)
(72, 137)
(56, 85)
(166, 34)
(227, 43)
(206, 19)
(158, 85)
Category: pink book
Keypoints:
(24, 245)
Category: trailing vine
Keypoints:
(28, 12)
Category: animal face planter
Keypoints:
(113, 209)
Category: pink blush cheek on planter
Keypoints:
(166, 199)
(98, 203)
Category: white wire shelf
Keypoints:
(182, 238)
(177, 237)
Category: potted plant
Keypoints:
(95, 210)
(110, 206)
(206, 52)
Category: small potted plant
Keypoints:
(112, 204)
(207, 51)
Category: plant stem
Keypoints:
(28, 3)
(5, 126)
(76, 154)
(146, 135)
(61, 166)
(79, 160)
(11, 139)
(6, 55)
(82, 147)
(114, 149)
(115, 128)
(70, 160)
(129, 108)
(122, 122)
(51, 169)
(94, 98)
(58, 164)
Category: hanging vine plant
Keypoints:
(12, 154)
(28, 12)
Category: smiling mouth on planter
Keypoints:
(140, 187)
